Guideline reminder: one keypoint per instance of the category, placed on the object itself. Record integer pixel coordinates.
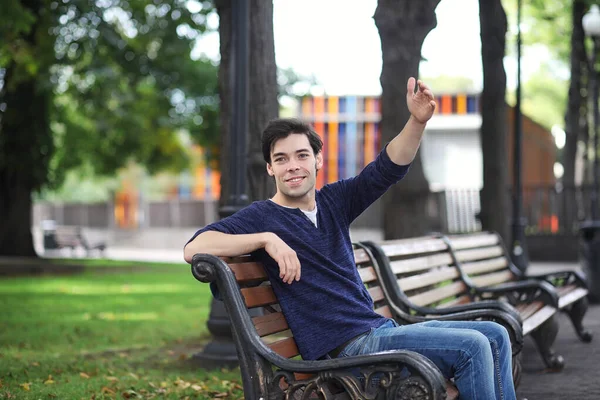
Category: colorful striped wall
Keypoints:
(349, 127)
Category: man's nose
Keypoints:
(293, 167)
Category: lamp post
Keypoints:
(590, 229)
(221, 350)
(519, 253)
(591, 27)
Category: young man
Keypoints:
(302, 236)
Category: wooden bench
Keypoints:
(423, 278)
(484, 260)
(268, 354)
(72, 238)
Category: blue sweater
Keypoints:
(329, 305)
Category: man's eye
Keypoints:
(278, 159)
(303, 155)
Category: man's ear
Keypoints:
(319, 158)
(270, 170)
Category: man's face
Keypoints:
(294, 166)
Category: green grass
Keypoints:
(107, 335)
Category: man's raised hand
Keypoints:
(421, 103)
(286, 258)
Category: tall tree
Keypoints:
(103, 83)
(263, 105)
(494, 197)
(403, 26)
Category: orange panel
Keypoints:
(369, 142)
(446, 104)
(461, 104)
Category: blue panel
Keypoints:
(341, 105)
(342, 151)
(471, 105)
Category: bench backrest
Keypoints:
(425, 272)
(482, 257)
(272, 326)
(68, 235)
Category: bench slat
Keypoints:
(427, 279)
(367, 274)
(286, 347)
(477, 267)
(420, 263)
(270, 323)
(404, 247)
(385, 311)
(474, 240)
(570, 294)
(259, 296)
(376, 293)
(361, 256)
(479, 254)
(493, 278)
(438, 294)
(538, 318)
(464, 299)
(248, 271)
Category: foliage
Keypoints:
(123, 81)
(107, 335)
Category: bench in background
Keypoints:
(72, 238)
(423, 278)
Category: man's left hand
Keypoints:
(421, 103)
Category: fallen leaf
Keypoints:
(48, 382)
(25, 386)
(134, 376)
(107, 390)
(197, 388)
(35, 364)
(112, 378)
(221, 395)
(84, 375)
(163, 384)
(182, 357)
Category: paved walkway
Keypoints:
(580, 378)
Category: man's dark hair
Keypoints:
(283, 127)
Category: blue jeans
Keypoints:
(477, 354)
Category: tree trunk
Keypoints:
(495, 213)
(26, 143)
(403, 26)
(573, 116)
(263, 104)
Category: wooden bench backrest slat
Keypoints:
(477, 267)
(421, 263)
(361, 256)
(464, 299)
(479, 254)
(248, 271)
(473, 240)
(376, 293)
(440, 293)
(432, 277)
(367, 274)
(285, 347)
(270, 323)
(405, 247)
(259, 296)
(385, 311)
(493, 278)
(528, 309)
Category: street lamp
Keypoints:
(591, 27)
(519, 253)
(590, 229)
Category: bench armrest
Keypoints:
(566, 276)
(529, 288)
(255, 357)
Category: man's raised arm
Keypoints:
(421, 104)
